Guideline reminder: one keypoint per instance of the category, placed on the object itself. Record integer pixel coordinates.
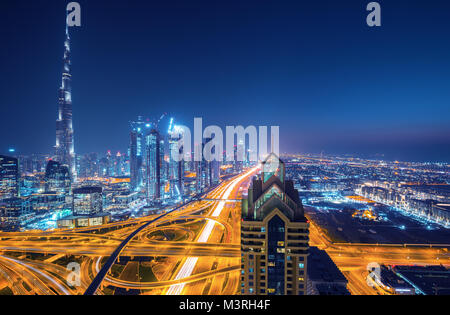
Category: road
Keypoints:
(353, 259)
(193, 249)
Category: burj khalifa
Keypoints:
(64, 149)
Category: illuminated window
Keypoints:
(301, 266)
(280, 244)
(301, 279)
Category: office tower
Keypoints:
(212, 167)
(103, 167)
(137, 151)
(215, 173)
(274, 235)
(239, 156)
(14, 212)
(207, 171)
(163, 170)
(109, 164)
(87, 201)
(153, 166)
(64, 149)
(198, 169)
(119, 165)
(9, 177)
(57, 178)
(89, 166)
(176, 168)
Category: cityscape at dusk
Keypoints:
(224, 148)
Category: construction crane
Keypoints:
(171, 126)
(155, 124)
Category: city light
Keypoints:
(324, 168)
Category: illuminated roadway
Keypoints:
(198, 243)
(193, 249)
(353, 259)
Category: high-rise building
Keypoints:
(176, 168)
(153, 165)
(57, 178)
(137, 152)
(14, 212)
(274, 235)
(9, 177)
(87, 201)
(215, 173)
(89, 166)
(239, 156)
(64, 149)
(207, 172)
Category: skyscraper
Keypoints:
(176, 168)
(87, 201)
(137, 149)
(64, 149)
(153, 176)
(274, 235)
(9, 177)
(57, 178)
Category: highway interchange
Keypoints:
(193, 250)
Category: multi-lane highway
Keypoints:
(353, 259)
(193, 249)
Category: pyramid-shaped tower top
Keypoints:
(273, 166)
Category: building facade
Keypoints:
(87, 201)
(137, 152)
(274, 235)
(57, 178)
(176, 168)
(9, 177)
(14, 212)
(154, 145)
(64, 149)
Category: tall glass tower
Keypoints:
(137, 151)
(154, 160)
(64, 149)
(274, 235)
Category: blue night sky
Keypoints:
(314, 68)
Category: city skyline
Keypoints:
(160, 178)
(363, 117)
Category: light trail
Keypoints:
(228, 192)
(184, 272)
(39, 272)
(206, 231)
(189, 265)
